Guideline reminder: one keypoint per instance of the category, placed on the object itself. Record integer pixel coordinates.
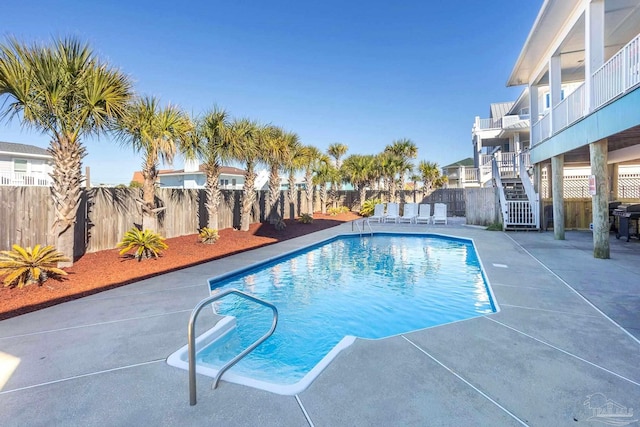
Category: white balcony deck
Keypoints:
(22, 179)
(617, 76)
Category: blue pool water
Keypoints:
(369, 287)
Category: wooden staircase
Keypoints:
(519, 213)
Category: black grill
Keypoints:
(626, 214)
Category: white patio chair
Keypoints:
(378, 213)
(439, 213)
(392, 213)
(424, 213)
(410, 213)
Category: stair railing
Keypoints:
(534, 199)
(503, 199)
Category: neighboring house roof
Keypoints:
(11, 147)
(500, 109)
(522, 124)
(225, 170)
(465, 162)
(521, 102)
(137, 175)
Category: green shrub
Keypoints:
(368, 206)
(144, 244)
(208, 235)
(496, 226)
(135, 184)
(305, 218)
(23, 266)
(337, 211)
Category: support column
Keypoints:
(478, 152)
(533, 113)
(555, 88)
(594, 47)
(600, 201)
(614, 191)
(537, 187)
(557, 179)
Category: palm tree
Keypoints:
(336, 150)
(247, 133)
(311, 160)
(431, 177)
(213, 145)
(295, 161)
(156, 133)
(324, 172)
(390, 166)
(65, 91)
(414, 179)
(274, 152)
(404, 149)
(359, 171)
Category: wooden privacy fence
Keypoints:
(105, 214)
(483, 206)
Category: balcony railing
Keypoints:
(485, 124)
(502, 122)
(614, 78)
(471, 174)
(569, 110)
(485, 159)
(22, 179)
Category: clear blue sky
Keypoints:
(361, 73)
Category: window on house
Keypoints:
(547, 98)
(19, 165)
(224, 182)
(233, 182)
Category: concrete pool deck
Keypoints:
(563, 347)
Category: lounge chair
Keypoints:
(378, 213)
(392, 213)
(424, 213)
(410, 213)
(439, 213)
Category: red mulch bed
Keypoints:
(100, 271)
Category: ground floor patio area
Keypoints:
(562, 350)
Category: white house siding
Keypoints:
(198, 180)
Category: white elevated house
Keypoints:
(503, 134)
(193, 176)
(456, 174)
(581, 67)
(24, 165)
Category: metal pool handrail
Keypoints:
(361, 229)
(192, 340)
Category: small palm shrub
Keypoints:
(208, 235)
(368, 206)
(23, 266)
(144, 244)
(337, 211)
(280, 225)
(496, 226)
(305, 218)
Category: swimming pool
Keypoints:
(350, 286)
